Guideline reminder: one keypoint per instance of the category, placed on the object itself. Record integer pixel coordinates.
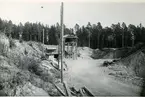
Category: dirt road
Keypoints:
(87, 72)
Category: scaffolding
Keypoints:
(70, 46)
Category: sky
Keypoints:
(75, 11)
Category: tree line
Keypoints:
(92, 35)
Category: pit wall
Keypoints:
(109, 53)
(135, 64)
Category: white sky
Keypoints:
(75, 11)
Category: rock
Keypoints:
(2, 93)
(46, 64)
(30, 90)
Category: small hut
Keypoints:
(70, 46)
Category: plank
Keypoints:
(66, 89)
(59, 90)
(87, 91)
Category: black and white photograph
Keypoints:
(73, 48)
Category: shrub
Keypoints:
(46, 77)
(33, 65)
(30, 44)
(12, 43)
(56, 73)
(30, 64)
(40, 45)
(134, 49)
(26, 52)
(20, 40)
(43, 57)
(107, 63)
(4, 44)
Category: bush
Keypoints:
(30, 64)
(46, 77)
(40, 45)
(43, 57)
(107, 63)
(56, 73)
(134, 49)
(26, 52)
(4, 45)
(33, 65)
(12, 43)
(30, 44)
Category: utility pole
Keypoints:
(20, 37)
(62, 31)
(123, 39)
(43, 41)
(89, 39)
(89, 28)
(103, 41)
(43, 36)
(98, 42)
(133, 38)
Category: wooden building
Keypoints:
(70, 46)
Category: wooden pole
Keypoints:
(43, 36)
(76, 49)
(59, 90)
(89, 39)
(132, 37)
(43, 41)
(62, 31)
(133, 42)
(73, 51)
(123, 39)
(98, 40)
(67, 47)
(67, 90)
(88, 91)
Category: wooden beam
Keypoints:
(68, 93)
(87, 91)
(59, 90)
(81, 92)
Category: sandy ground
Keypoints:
(87, 72)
